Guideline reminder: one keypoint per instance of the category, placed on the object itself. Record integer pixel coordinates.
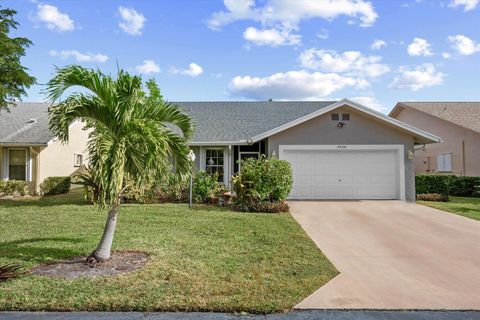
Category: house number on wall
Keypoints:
(341, 147)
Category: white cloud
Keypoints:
(377, 44)
(80, 57)
(323, 34)
(132, 22)
(148, 66)
(280, 11)
(419, 47)
(292, 85)
(193, 70)
(353, 63)
(446, 55)
(53, 18)
(467, 4)
(271, 37)
(464, 45)
(417, 78)
(370, 102)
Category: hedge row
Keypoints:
(448, 185)
(55, 185)
(14, 188)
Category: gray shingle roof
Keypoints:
(16, 129)
(464, 114)
(237, 121)
(215, 121)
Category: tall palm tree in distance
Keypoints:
(134, 133)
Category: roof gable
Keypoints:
(463, 114)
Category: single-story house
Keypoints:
(458, 123)
(30, 152)
(337, 149)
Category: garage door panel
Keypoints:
(345, 174)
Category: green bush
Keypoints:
(14, 188)
(172, 189)
(262, 185)
(271, 178)
(465, 186)
(432, 197)
(447, 185)
(55, 185)
(205, 186)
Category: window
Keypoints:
(214, 162)
(345, 116)
(444, 162)
(335, 117)
(77, 160)
(17, 165)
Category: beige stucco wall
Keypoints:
(463, 143)
(361, 129)
(57, 159)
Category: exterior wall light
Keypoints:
(341, 124)
(410, 155)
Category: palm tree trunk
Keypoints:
(104, 248)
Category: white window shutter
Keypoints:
(440, 162)
(447, 162)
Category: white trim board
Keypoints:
(399, 148)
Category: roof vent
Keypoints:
(32, 121)
(270, 100)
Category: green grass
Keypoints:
(467, 207)
(205, 259)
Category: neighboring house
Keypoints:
(458, 123)
(337, 149)
(29, 152)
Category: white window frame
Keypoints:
(441, 160)
(245, 152)
(203, 160)
(75, 164)
(6, 161)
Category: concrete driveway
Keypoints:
(393, 255)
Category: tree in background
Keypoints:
(13, 76)
(136, 135)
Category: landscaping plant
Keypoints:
(10, 271)
(55, 185)
(262, 185)
(205, 186)
(129, 136)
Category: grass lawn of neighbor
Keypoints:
(465, 206)
(204, 259)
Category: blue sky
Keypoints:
(377, 52)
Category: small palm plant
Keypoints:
(134, 134)
(10, 271)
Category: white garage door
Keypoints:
(343, 174)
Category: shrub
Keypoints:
(14, 188)
(432, 197)
(271, 178)
(205, 186)
(433, 184)
(172, 189)
(262, 185)
(464, 186)
(447, 185)
(55, 185)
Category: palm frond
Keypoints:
(10, 271)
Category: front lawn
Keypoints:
(464, 206)
(202, 259)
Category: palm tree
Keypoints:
(134, 134)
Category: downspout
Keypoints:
(463, 158)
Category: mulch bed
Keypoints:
(119, 262)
